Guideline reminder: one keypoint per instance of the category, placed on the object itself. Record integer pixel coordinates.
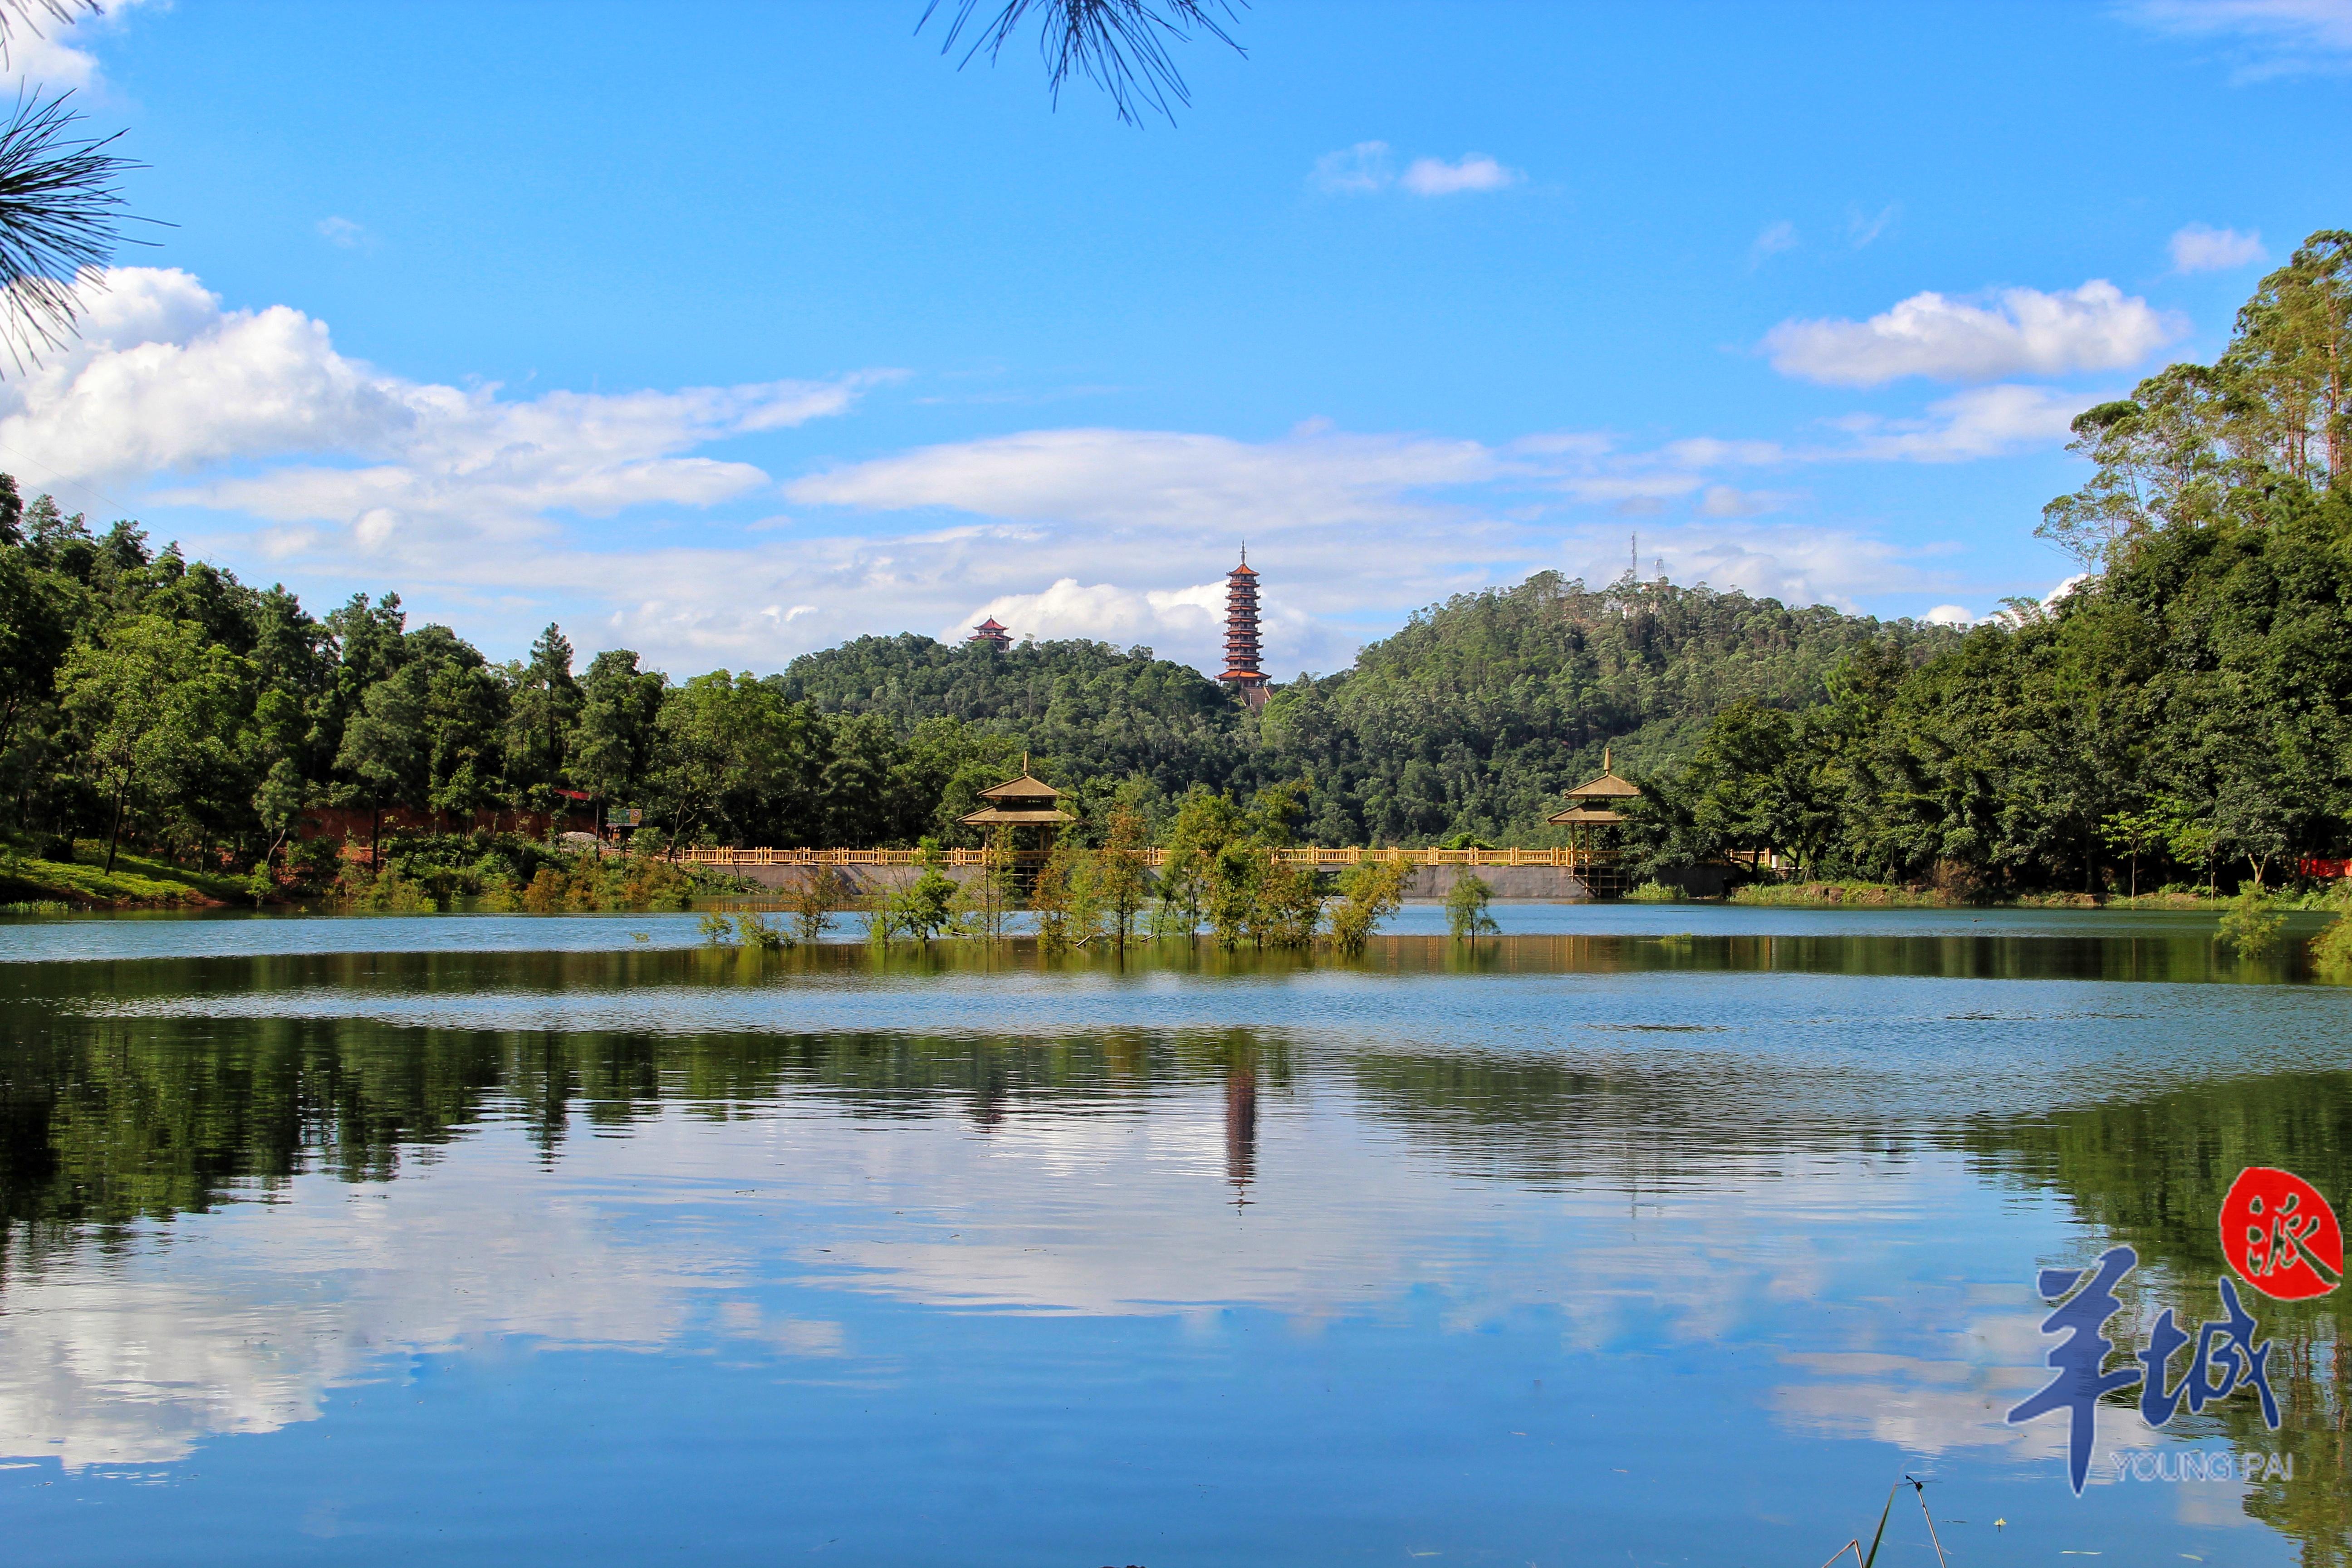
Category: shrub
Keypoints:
(2250, 928)
(815, 899)
(2331, 949)
(1655, 892)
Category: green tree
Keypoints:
(1123, 877)
(1466, 919)
(544, 707)
(1371, 892)
(615, 739)
(154, 705)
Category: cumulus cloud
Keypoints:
(1182, 618)
(2198, 248)
(2019, 332)
(165, 380)
(55, 56)
(1472, 172)
(1949, 616)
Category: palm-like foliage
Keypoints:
(59, 208)
(1121, 46)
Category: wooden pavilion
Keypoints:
(1023, 802)
(1593, 806)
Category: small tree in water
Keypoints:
(1466, 919)
(1121, 877)
(1066, 899)
(1372, 892)
(814, 901)
(924, 909)
(2250, 928)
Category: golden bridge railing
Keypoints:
(1564, 859)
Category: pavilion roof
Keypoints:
(1608, 787)
(1013, 791)
(1576, 813)
(996, 817)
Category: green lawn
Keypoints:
(137, 879)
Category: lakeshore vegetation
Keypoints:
(2179, 717)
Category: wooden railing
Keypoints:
(1568, 860)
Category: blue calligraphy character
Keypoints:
(2240, 1360)
(2156, 1402)
(2081, 1357)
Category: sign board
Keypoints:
(625, 816)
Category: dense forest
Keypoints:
(2180, 714)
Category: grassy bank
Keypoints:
(1875, 894)
(137, 881)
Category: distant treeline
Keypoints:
(2180, 714)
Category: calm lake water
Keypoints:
(1639, 1235)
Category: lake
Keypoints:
(1650, 1235)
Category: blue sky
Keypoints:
(723, 332)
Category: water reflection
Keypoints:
(1797, 1183)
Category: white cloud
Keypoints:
(2198, 248)
(1473, 172)
(1793, 563)
(1983, 422)
(1182, 618)
(1162, 479)
(2266, 37)
(1359, 169)
(164, 380)
(1367, 167)
(2022, 331)
(1726, 500)
(341, 231)
(1949, 616)
(1774, 238)
(480, 506)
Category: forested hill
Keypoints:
(1475, 716)
(1087, 706)
(1472, 719)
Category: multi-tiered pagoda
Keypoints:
(1240, 635)
(993, 635)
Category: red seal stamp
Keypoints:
(2280, 1235)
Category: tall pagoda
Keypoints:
(993, 635)
(1240, 635)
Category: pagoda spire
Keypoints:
(1242, 650)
